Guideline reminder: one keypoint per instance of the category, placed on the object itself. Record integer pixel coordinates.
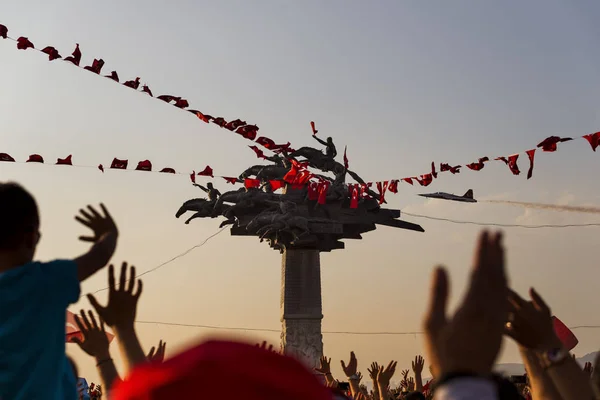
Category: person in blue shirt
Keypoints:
(34, 297)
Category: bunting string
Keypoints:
(298, 175)
(242, 128)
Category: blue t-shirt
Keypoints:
(33, 304)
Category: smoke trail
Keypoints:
(553, 207)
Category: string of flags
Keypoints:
(242, 128)
(298, 176)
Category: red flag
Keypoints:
(433, 172)
(408, 180)
(251, 183)
(208, 171)
(35, 158)
(323, 188)
(114, 76)
(345, 158)
(447, 167)
(233, 125)
(381, 188)
(23, 43)
(425, 180)
(201, 116)
(220, 121)
(393, 186)
(182, 103)
(266, 142)
(248, 131)
(96, 66)
(276, 184)
(531, 155)
(231, 180)
(65, 161)
(593, 139)
(549, 144)
(167, 171)
(354, 197)
(312, 125)
(75, 58)
(565, 335)
(134, 84)
(478, 166)
(52, 53)
(119, 164)
(101, 167)
(259, 153)
(6, 157)
(145, 165)
(313, 191)
(511, 162)
(193, 176)
(364, 190)
(3, 31)
(146, 89)
(168, 98)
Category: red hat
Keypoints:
(223, 370)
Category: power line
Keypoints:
(175, 257)
(380, 333)
(454, 221)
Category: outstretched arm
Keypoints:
(201, 187)
(104, 241)
(324, 143)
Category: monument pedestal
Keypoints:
(301, 310)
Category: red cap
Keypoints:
(223, 370)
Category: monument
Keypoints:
(314, 213)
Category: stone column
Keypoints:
(301, 311)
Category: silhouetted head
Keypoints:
(209, 185)
(19, 223)
(329, 140)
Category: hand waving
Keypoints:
(101, 225)
(385, 375)
(157, 356)
(325, 366)
(350, 370)
(530, 322)
(122, 301)
(418, 364)
(470, 340)
(95, 342)
(374, 371)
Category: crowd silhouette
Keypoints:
(461, 349)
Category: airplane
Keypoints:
(467, 197)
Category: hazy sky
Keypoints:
(401, 83)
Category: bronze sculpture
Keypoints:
(294, 218)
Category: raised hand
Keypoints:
(359, 377)
(265, 346)
(122, 301)
(385, 375)
(410, 384)
(405, 373)
(324, 366)
(470, 340)
(374, 371)
(350, 370)
(530, 322)
(418, 364)
(100, 224)
(95, 342)
(157, 355)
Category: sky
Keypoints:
(400, 83)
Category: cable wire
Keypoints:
(454, 221)
(175, 257)
(380, 333)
